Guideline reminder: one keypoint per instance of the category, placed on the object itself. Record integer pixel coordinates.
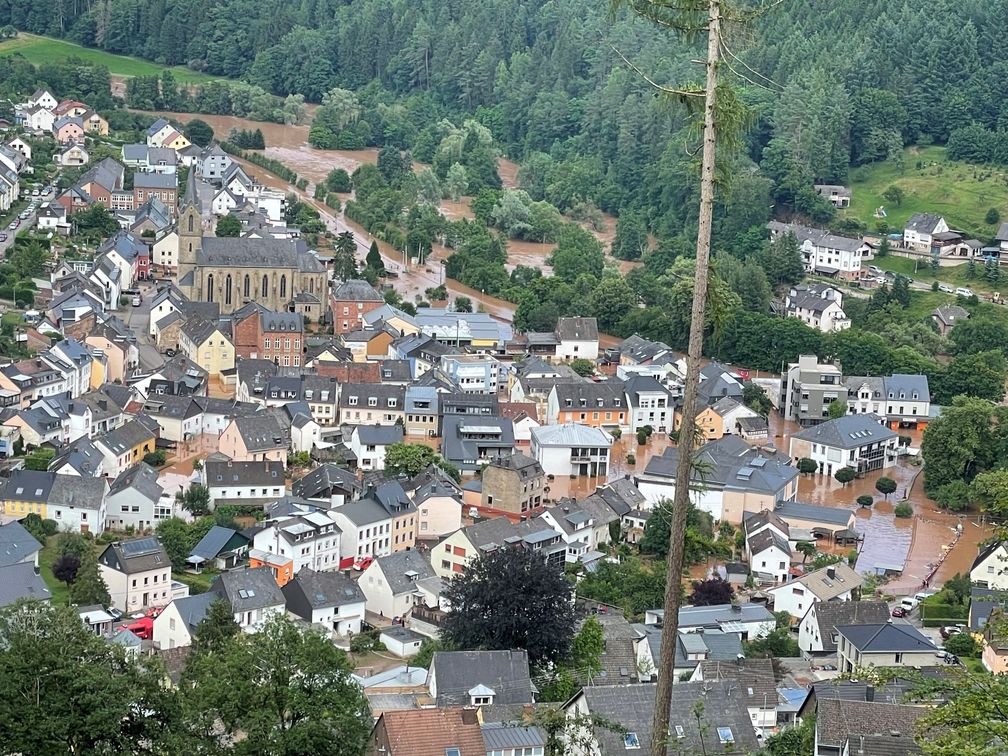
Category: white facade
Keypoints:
(131, 593)
(369, 540)
(131, 508)
(921, 240)
(990, 570)
(310, 540)
(654, 409)
(572, 350)
(572, 450)
(774, 562)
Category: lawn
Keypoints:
(960, 192)
(40, 50)
(954, 275)
(59, 589)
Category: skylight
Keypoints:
(631, 742)
(725, 735)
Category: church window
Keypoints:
(227, 289)
(248, 284)
(311, 285)
(265, 286)
(190, 227)
(209, 286)
(283, 286)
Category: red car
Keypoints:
(899, 611)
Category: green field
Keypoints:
(960, 192)
(40, 50)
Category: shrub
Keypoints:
(903, 510)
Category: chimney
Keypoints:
(470, 715)
(869, 694)
(736, 607)
(831, 572)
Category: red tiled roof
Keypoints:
(518, 410)
(428, 732)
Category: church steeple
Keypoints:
(190, 232)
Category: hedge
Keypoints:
(929, 610)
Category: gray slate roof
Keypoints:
(320, 590)
(837, 720)
(356, 290)
(829, 614)
(380, 435)
(848, 432)
(886, 637)
(246, 252)
(395, 566)
(78, 492)
(19, 581)
(458, 672)
(211, 545)
(248, 589)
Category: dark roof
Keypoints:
(16, 544)
(245, 252)
(632, 706)
(923, 222)
(320, 590)
(138, 555)
(20, 581)
(379, 435)
(619, 654)
(356, 290)
(323, 481)
(194, 608)
(458, 672)
(755, 678)
(837, 720)
(29, 485)
(829, 614)
(766, 538)
(396, 566)
(217, 540)
(885, 637)
(125, 437)
(262, 432)
(141, 477)
(248, 589)
(78, 492)
(577, 329)
(524, 465)
(244, 473)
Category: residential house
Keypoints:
(371, 404)
(599, 405)
(990, 568)
(725, 726)
(222, 548)
(469, 442)
(393, 498)
(513, 484)
(476, 330)
(137, 500)
(17, 545)
(578, 338)
(649, 403)
(737, 478)
(73, 155)
(769, 555)
(368, 444)
(723, 418)
(472, 373)
(80, 457)
(113, 340)
(422, 416)
(819, 521)
(947, 316)
(885, 644)
(920, 230)
(395, 583)
(818, 306)
(817, 635)
(78, 504)
(328, 484)
(861, 442)
(244, 482)
(310, 536)
(349, 302)
(456, 551)
(52, 217)
(432, 732)
(177, 623)
(755, 683)
(366, 530)
(577, 527)
(328, 599)
(259, 333)
(572, 450)
(137, 573)
(833, 583)
(808, 388)
(903, 400)
(208, 344)
(125, 446)
(750, 621)
(718, 382)
(480, 678)
(163, 186)
(255, 438)
(67, 129)
(20, 582)
(438, 501)
(825, 253)
(869, 727)
(253, 595)
(837, 195)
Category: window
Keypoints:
(631, 742)
(452, 752)
(679, 732)
(265, 285)
(725, 735)
(898, 658)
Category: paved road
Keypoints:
(138, 319)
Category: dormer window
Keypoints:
(352, 401)
(481, 695)
(391, 402)
(372, 401)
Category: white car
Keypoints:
(962, 291)
(945, 287)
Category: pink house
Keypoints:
(256, 438)
(68, 129)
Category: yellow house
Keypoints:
(709, 423)
(99, 371)
(94, 123)
(176, 141)
(125, 446)
(26, 493)
(205, 343)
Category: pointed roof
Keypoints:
(191, 196)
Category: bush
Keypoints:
(631, 459)
(807, 466)
(903, 510)
(641, 437)
(363, 643)
(155, 458)
(962, 644)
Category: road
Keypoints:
(138, 320)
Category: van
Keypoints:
(136, 300)
(923, 595)
(909, 604)
(962, 291)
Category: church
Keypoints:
(280, 274)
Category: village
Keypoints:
(196, 388)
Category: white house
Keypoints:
(918, 234)
(769, 555)
(137, 573)
(77, 504)
(887, 644)
(366, 530)
(310, 539)
(328, 599)
(572, 449)
(232, 482)
(650, 403)
(578, 338)
(176, 625)
(750, 620)
(223, 202)
(368, 444)
(253, 595)
(836, 582)
(990, 568)
(395, 583)
(825, 253)
(42, 98)
(817, 637)
(862, 442)
(818, 306)
(137, 500)
(578, 528)
(40, 119)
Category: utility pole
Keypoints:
(680, 503)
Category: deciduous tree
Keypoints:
(711, 592)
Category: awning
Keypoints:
(826, 270)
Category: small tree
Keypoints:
(155, 458)
(89, 586)
(199, 132)
(65, 568)
(228, 225)
(961, 644)
(215, 629)
(583, 367)
(807, 465)
(845, 475)
(711, 592)
(196, 500)
(462, 304)
(374, 259)
(807, 549)
(903, 510)
(865, 500)
(837, 408)
(885, 486)
(993, 217)
(894, 195)
(641, 438)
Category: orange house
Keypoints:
(282, 567)
(598, 405)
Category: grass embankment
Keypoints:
(60, 591)
(39, 50)
(954, 275)
(960, 192)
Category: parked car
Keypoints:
(946, 288)
(962, 291)
(875, 269)
(363, 563)
(899, 611)
(3, 237)
(13, 224)
(136, 300)
(949, 630)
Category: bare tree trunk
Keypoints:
(680, 503)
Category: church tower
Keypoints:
(190, 236)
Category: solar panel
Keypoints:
(139, 547)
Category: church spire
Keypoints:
(191, 196)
